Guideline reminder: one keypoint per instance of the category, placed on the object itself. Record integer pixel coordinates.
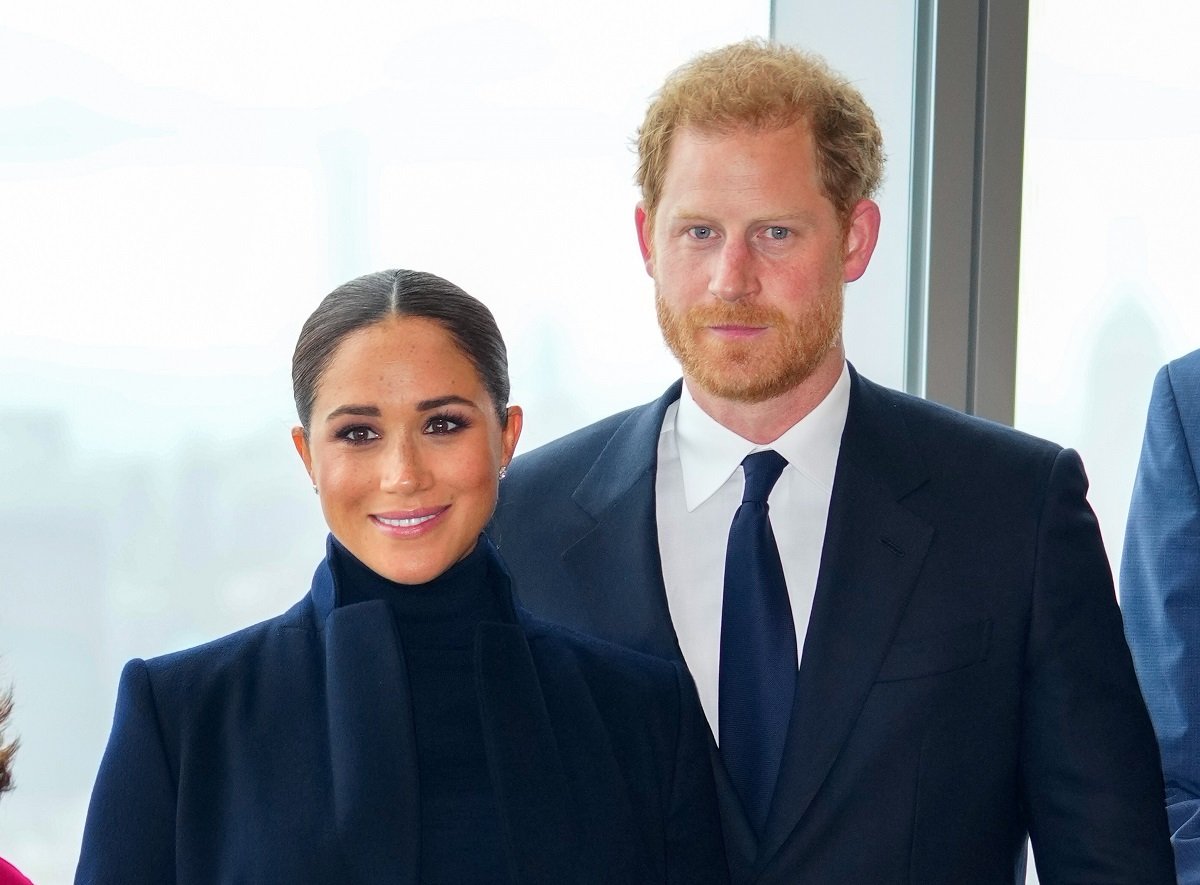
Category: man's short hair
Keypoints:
(758, 84)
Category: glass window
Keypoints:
(880, 61)
(1107, 242)
(180, 187)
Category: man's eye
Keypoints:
(700, 232)
(778, 233)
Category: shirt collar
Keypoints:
(709, 452)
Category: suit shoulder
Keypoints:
(567, 456)
(551, 473)
(1179, 383)
(1185, 369)
(941, 428)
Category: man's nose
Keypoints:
(732, 272)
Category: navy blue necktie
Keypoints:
(758, 646)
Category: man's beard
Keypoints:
(751, 371)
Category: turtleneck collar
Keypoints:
(443, 611)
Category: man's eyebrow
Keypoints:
(784, 214)
(353, 409)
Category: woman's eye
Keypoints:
(359, 434)
(442, 424)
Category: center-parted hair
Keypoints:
(757, 84)
(375, 297)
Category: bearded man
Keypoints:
(899, 619)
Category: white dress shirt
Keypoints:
(699, 487)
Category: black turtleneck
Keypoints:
(436, 624)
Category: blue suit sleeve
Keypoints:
(129, 837)
(1160, 598)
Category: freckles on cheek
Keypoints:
(472, 474)
(337, 476)
(479, 472)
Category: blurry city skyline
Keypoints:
(179, 188)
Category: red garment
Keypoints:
(10, 875)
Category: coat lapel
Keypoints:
(741, 843)
(371, 741)
(872, 554)
(538, 820)
(615, 563)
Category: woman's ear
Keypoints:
(510, 434)
(300, 441)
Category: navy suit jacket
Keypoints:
(964, 678)
(286, 753)
(1160, 594)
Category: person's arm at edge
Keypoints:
(1160, 598)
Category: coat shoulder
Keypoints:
(211, 667)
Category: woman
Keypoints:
(9, 875)
(405, 722)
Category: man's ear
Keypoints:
(645, 236)
(862, 233)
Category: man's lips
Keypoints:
(737, 331)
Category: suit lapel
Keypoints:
(537, 816)
(616, 563)
(872, 554)
(373, 755)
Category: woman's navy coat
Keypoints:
(286, 753)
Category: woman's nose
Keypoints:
(404, 469)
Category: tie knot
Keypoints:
(762, 470)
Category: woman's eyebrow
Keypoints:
(437, 402)
(424, 405)
(352, 409)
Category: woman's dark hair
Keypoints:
(7, 751)
(373, 298)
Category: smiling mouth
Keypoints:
(409, 523)
(405, 523)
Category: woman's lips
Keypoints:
(409, 522)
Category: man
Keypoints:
(962, 675)
(1160, 594)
